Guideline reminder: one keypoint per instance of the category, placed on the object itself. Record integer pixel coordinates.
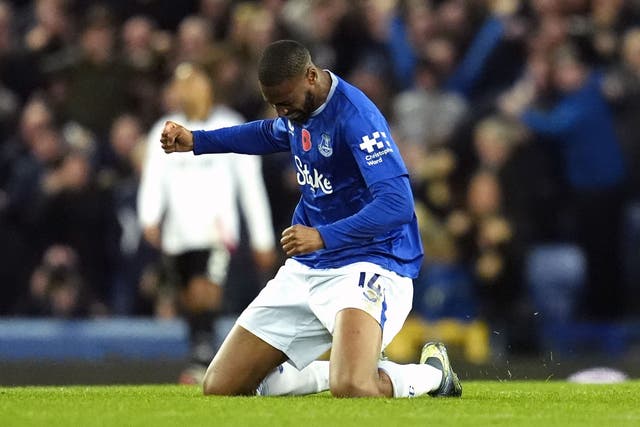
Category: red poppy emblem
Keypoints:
(306, 140)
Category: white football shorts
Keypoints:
(296, 310)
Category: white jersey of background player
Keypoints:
(204, 213)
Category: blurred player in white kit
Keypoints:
(188, 208)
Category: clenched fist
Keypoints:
(176, 138)
(299, 240)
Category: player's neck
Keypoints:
(324, 87)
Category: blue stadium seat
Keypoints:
(555, 276)
(444, 291)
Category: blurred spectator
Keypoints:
(216, 12)
(143, 52)
(339, 35)
(121, 176)
(457, 19)
(51, 199)
(491, 238)
(427, 114)
(22, 166)
(9, 99)
(31, 159)
(581, 123)
(525, 176)
(194, 42)
(483, 236)
(324, 16)
(96, 74)
(251, 28)
(412, 25)
(36, 116)
(492, 59)
(622, 89)
(609, 20)
(51, 29)
(125, 134)
(486, 236)
(19, 72)
(167, 14)
(370, 76)
(76, 211)
(56, 287)
(197, 226)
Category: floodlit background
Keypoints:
(518, 121)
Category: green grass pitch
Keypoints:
(507, 403)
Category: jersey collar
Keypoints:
(334, 85)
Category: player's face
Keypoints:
(292, 98)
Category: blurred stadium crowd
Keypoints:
(517, 119)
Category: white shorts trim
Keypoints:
(296, 310)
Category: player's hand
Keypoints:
(176, 138)
(299, 240)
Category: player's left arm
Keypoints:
(391, 207)
(386, 177)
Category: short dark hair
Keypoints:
(282, 60)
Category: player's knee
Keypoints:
(210, 387)
(213, 385)
(352, 387)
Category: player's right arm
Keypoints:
(257, 137)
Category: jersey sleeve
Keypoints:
(257, 137)
(374, 150)
(391, 207)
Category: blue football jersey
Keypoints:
(342, 149)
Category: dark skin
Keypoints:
(244, 359)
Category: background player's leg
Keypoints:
(242, 362)
(200, 303)
(200, 274)
(357, 339)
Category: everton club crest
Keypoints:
(325, 145)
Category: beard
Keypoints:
(302, 115)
